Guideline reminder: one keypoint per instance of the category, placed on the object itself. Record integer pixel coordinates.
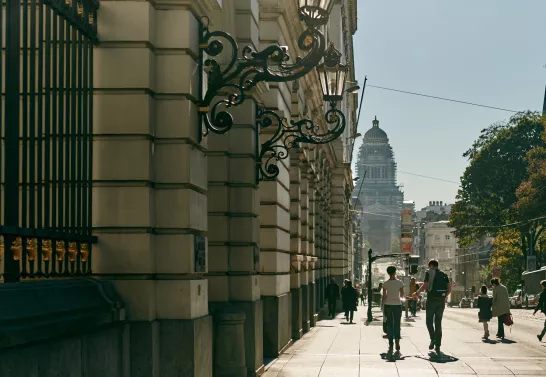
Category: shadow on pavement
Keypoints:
(433, 357)
(397, 356)
(507, 341)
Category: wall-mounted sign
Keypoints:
(200, 253)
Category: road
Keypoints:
(525, 328)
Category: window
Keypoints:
(448, 237)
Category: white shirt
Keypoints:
(393, 292)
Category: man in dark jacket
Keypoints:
(332, 295)
(349, 298)
(542, 307)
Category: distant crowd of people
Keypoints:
(438, 287)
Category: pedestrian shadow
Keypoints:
(490, 341)
(507, 341)
(442, 358)
(347, 323)
(390, 358)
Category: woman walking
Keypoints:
(349, 298)
(393, 291)
(501, 305)
(485, 314)
(542, 307)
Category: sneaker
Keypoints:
(539, 338)
(431, 345)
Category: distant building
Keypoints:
(380, 195)
(441, 244)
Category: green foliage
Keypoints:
(532, 192)
(485, 274)
(508, 255)
(498, 165)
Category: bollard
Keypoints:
(229, 344)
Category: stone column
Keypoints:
(149, 185)
(297, 229)
(338, 248)
(233, 217)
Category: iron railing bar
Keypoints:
(68, 127)
(86, 141)
(56, 115)
(2, 122)
(90, 171)
(73, 132)
(60, 167)
(80, 142)
(25, 113)
(47, 137)
(11, 134)
(41, 160)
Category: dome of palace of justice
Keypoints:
(375, 133)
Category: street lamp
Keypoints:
(248, 67)
(289, 134)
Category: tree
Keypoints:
(507, 255)
(532, 192)
(498, 165)
(485, 274)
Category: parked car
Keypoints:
(531, 300)
(466, 302)
(516, 301)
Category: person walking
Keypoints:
(349, 298)
(413, 302)
(332, 295)
(438, 287)
(393, 291)
(542, 307)
(485, 304)
(501, 305)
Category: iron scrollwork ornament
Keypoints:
(232, 81)
(289, 134)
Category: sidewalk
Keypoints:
(336, 349)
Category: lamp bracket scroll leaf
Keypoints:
(289, 134)
(245, 68)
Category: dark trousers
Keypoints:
(331, 307)
(349, 313)
(500, 331)
(543, 330)
(412, 306)
(435, 312)
(393, 313)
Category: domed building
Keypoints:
(378, 196)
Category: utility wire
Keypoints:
(505, 225)
(426, 176)
(443, 99)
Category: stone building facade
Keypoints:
(185, 231)
(377, 190)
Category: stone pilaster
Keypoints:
(233, 215)
(297, 228)
(149, 208)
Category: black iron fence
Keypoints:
(46, 78)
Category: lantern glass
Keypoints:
(315, 12)
(332, 75)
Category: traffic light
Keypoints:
(413, 264)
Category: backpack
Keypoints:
(439, 286)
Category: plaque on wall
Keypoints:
(200, 250)
(256, 258)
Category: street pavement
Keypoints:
(336, 349)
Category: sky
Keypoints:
(490, 52)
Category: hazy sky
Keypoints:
(489, 52)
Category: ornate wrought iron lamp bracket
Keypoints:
(232, 82)
(289, 134)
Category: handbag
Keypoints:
(508, 320)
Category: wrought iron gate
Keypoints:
(46, 128)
